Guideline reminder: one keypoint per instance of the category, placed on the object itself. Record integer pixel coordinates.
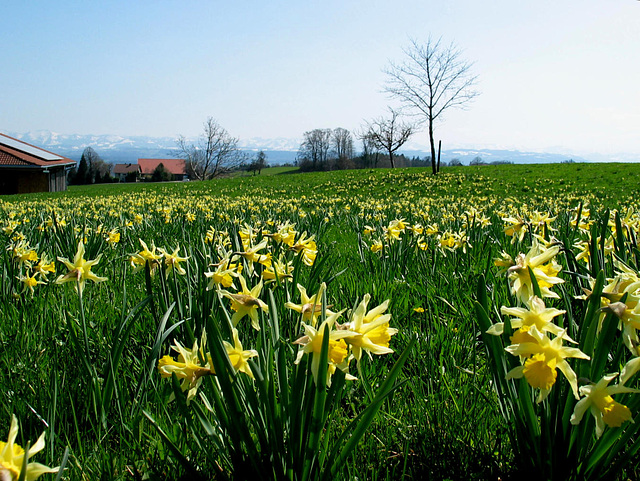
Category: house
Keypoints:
(126, 172)
(176, 167)
(25, 168)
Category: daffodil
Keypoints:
(44, 267)
(29, 283)
(537, 315)
(246, 303)
(309, 307)
(238, 356)
(338, 352)
(597, 399)
(280, 269)
(191, 366)
(12, 457)
(515, 227)
(172, 261)
(543, 357)
(306, 246)
(540, 260)
(144, 257)
(79, 269)
(376, 246)
(372, 329)
(112, 237)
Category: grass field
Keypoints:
(218, 334)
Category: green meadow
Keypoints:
(326, 325)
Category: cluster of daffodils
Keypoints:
(12, 457)
(154, 258)
(537, 223)
(365, 331)
(195, 363)
(543, 347)
(32, 269)
(397, 229)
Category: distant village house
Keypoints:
(25, 168)
(145, 168)
(126, 172)
(176, 167)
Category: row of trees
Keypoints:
(431, 79)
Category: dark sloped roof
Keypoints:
(14, 152)
(125, 168)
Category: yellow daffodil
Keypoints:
(12, 457)
(145, 256)
(544, 268)
(172, 261)
(280, 269)
(223, 275)
(372, 329)
(44, 267)
(306, 246)
(597, 399)
(79, 269)
(312, 341)
(537, 315)
(239, 356)
(113, 237)
(309, 307)
(376, 246)
(29, 283)
(246, 303)
(544, 356)
(515, 228)
(191, 365)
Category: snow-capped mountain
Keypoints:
(116, 148)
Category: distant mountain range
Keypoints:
(118, 149)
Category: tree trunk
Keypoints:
(439, 148)
(391, 159)
(433, 148)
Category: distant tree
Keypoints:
(389, 134)
(259, 163)
(455, 162)
(477, 161)
(370, 152)
(215, 154)
(342, 148)
(432, 79)
(92, 169)
(82, 175)
(314, 150)
(161, 174)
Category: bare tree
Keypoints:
(342, 148)
(216, 152)
(388, 134)
(432, 79)
(314, 150)
(370, 152)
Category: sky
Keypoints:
(553, 76)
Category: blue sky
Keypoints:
(553, 76)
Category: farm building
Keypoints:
(25, 168)
(126, 172)
(176, 167)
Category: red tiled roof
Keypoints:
(125, 168)
(174, 166)
(7, 159)
(13, 156)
